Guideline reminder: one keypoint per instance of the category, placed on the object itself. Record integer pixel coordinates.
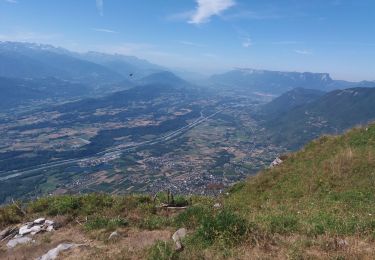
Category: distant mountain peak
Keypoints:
(164, 77)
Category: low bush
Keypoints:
(10, 214)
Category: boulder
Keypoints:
(177, 237)
(39, 221)
(53, 253)
(25, 229)
(18, 241)
(35, 229)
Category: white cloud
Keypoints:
(247, 43)
(100, 7)
(12, 1)
(251, 15)
(208, 8)
(103, 30)
(286, 42)
(303, 52)
(193, 44)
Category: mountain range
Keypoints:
(278, 82)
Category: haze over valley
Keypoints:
(114, 123)
(195, 129)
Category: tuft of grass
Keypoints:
(110, 224)
(224, 227)
(162, 250)
(192, 217)
(283, 224)
(154, 222)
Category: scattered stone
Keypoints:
(50, 229)
(341, 243)
(39, 221)
(53, 253)
(217, 205)
(177, 237)
(276, 162)
(114, 235)
(18, 241)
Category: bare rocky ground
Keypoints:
(128, 244)
(132, 243)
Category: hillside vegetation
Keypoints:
(331, 113)
(319, 203)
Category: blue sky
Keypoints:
(335, 36)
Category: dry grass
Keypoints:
(132, 241)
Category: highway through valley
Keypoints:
(109, 152)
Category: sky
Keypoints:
(207, 36)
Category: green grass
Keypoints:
(326, 188)
(110, 224)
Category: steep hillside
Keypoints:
(290, 100)
(331, 113)
(318, 204)
(164, 77)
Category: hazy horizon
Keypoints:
(207, 36)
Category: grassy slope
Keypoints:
(319, 196)
(341, 109)
(327, 187)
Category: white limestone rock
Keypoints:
(39, 221)
(18, 241)
(53, 253)
(276, 162)
(177, 237)
(25, 229)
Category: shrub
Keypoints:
(10, 214)
(180, 201)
